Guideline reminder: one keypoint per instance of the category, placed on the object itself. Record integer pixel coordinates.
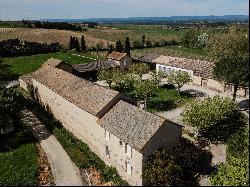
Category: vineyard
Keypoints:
(48, 36)
(152, 33)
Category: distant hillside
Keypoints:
(158, 20)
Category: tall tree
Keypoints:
(127, 46)
(119, 46)
(83, 44)
(232, 51)
(111, 49)
(143, 40)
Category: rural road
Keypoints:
(64, 171)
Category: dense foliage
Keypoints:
(139, 69)
(215, 118)
(11, 103)
(53, 25)
(182, 166)
(179, 78)
(161, 169)
(236, 171)
(16, 47)
(232, 51)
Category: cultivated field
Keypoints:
(48, 36)
(178, 51)
(135, 32)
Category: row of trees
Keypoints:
(16, 47)
(126, 47)
(52, 25)
(131, 82)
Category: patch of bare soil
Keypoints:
(45, 177)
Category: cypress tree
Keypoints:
(83, 44)
(127, 46)
(119, 46)
(143, 39)
(111, 49)
(71, 42)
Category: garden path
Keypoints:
(64, 171)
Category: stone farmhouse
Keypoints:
(123, 59)
(120, 133)
(201, 71)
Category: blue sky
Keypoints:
(38, 9)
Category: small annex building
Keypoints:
(89, 71)
(121, 134)
(123, 59)
(201, 71)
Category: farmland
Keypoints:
(48, 36)
(120, 32)
(174, 51)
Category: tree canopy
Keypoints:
(161, 169)
(179, 78)
(231, 49)
(215, 118)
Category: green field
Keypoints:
(27, 64)
(18, 158)
(174, 51)
(135, 32)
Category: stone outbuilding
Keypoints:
(123, 59)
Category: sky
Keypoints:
(79, 9)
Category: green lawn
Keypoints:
(167, 99)
(18, 158)
(27, 64)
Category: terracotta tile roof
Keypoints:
(26, 78)
(150, 57)
(97, 65)
(131, 124)
(116, 55)
(52, 62)
(200, 67)
(84, 94)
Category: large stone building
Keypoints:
(201, 71)
(121, 134)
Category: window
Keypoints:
(164, 69)
(126, 147)
(128, 150)
(120, 142)
(125, 62)
(107, 151)
(128, 168)
(107, 135)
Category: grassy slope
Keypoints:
(27, 64)
(19, 166)
(18, 157)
